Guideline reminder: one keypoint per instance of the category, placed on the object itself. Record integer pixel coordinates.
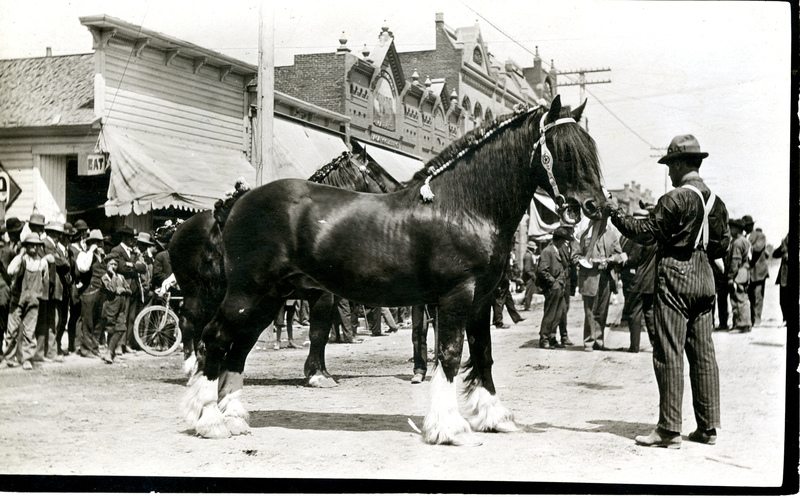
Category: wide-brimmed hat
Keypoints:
(562, 232)
(80, 225)
(54, 226)
(641, 214)
(95, 235)
(735, 222)
(32, 238)
(36, 219)
(747, 220)
(13, 225)
(125, 230)
(144, 238)
(683, 146)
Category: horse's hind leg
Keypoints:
(443, 423)
(321, 311)
(478, 398)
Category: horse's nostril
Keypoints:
(590, 206)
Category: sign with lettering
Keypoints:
(96, 164)
(9, 190)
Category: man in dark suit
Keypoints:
(759, 269)
(642, 259)
(47, 349)
(553, 275)
(126, 255)
(690, 226)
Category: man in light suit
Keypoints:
(759, 269)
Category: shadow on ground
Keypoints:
(326, 421)
(627, 430)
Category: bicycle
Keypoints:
(157, 327)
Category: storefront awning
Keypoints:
(544, 218)
(299, 151)
(399, 166)
(150, 171)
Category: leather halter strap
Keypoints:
(547, 157)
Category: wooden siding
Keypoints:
(17, 156)
(146, 94)
(50, 186)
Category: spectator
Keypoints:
(529, 260)
(147, 251)
(125, 253)
(77, 287)
(553, 275)
(63, 241)
(118, 291)
(47, 349)
(759, 269)
(343, 318)
(738, 273)
(421, 316)
(783, 277)
(29, 272)
(504, 298)
(642, 260)
(285, 317)
(90, 269)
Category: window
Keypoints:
(477, 56)
(489, 115)
(384, 104)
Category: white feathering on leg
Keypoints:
(443, 424)
(190, 365)
(483, 410)
(199, 393)
(236, 417)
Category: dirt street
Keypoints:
(580, 412)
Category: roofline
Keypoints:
(50, 130)
(133, 31)
(46, 57)
(320, 111)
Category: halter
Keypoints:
(547, 157)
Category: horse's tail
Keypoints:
(222, 208)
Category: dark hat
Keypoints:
(562, 232)
(107, 239)
(747, 219)
(81, 225)
(36, 219)
(683, 146)
(125, 231)
(13, 225)
(734, 222)
(32, 238)
(69, 229)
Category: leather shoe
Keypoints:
(502, 326)
(520, 320)
(545, 345)
(417, 378)
(703, 436)
(660, 438)
(566, 342)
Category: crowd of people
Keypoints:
(58, 278)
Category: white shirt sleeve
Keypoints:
(84, 261)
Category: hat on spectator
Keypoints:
(144, 238)
(55, 226)
(562, 232)
(13, 225)
(747, 220)
(69, 229)
(682, 146)
(32, 238)
(734, 222)
(81, 225)
(36, 219)
(95, 235)
(126, 231)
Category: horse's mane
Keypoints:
(338, 173)
(222, 208)
(478, 162)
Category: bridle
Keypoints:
(367, 172)
(547, 157)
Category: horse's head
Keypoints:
(350, 172)
(568, 164)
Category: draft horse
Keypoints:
(196, 250)
(444, 240)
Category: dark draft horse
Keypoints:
(398, 249)
(196, 249)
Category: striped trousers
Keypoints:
(683, 308)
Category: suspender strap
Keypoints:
(706, 209)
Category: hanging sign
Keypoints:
(9, 190)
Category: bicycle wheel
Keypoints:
(157, 331)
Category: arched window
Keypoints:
(477, 56)
(478, 114)
(466, 104)
(489, 115)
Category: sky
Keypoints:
(718, 70)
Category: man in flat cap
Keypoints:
(738, 273)
(690, 226)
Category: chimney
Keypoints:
(49, 51)
(439, 17)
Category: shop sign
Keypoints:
(9, 190)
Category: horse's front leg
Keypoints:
(444, 424)
(320, 318)
(478, 398)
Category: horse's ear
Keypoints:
(555, 109)
(578, 112)
(362, 156)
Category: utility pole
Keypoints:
(659, 152)
(265, 166)
(582, 82)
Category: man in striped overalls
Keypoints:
(690, 226)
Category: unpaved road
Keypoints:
(580, 412)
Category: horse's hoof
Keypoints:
(466, 439)
(507, 426)
(237, 426)
(320, 380)
(211, 424)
